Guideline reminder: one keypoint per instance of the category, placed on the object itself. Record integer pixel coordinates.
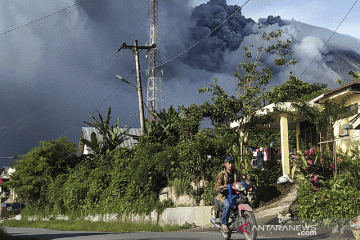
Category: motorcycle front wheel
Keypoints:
(249, 217)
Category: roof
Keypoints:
(269, 109)
(350, 87)
(87, 131)
(7, 171)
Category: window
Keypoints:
(308, 135)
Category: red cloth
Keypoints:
(1, 181)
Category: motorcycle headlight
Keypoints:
(240, 187)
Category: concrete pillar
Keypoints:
(298, 136)
(284, 132)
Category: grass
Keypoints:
(77, 225)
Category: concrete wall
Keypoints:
(200, 216)
(353, 141)
(184, 199)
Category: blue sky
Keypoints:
(321, 13)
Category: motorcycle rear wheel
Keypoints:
(249, 217)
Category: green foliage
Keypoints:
(223, 108)
(337, 199)
(111, 136)
(209, 193)
(323, 115)
(253, 78)
(242, 159)
(36, 171)
(355, 76)
(294, 90)
(173, 151)
(165, 128)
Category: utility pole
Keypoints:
(135, 49)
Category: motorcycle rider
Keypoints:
(228, 176)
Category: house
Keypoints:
(7, 195)
(87, 131)
(345, 130)
(346, 136)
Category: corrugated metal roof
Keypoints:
(87, 131)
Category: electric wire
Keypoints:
(185, 51)
(72, 90)
(107, 97)
(42, 18)
(328, 39)
(42, 110)
(133, 34)
(178, 21)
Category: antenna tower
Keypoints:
(154, 91)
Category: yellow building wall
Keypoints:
(353, 140)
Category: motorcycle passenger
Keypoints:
(228, 176)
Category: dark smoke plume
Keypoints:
(270, 20)
(209, 54)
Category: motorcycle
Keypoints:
(241, 218)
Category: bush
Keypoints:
(209, 193)
(337, 197)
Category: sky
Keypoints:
(322, 13)
(58, 71)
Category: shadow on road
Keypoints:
(51, 236)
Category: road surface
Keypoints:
(181, 235)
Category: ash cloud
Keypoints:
(58, 71)
(270, 20)
(209, 53)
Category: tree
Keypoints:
(111, 137)
(355, 76)
(35, 171)
(294, 90)
(164, 128)
(252, 78)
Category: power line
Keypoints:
(328, 39)
(114, 56)
(73, 89)
(101, 102)
(204, 37)
(178, 21)
(41, 18)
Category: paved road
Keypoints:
(182, 235)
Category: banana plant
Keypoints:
(111, 137)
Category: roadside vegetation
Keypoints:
(328, 197)
(53, 180)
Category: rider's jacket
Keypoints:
(224, 178)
